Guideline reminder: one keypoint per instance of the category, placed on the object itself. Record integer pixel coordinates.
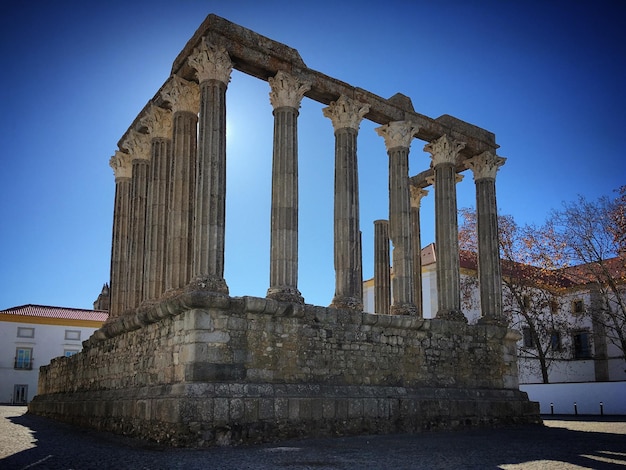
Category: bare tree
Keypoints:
(532, 287)
(594, 233)
(617, 215)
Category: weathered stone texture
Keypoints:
(258, 369)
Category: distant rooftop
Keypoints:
(47, 311)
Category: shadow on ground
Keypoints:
(37, 443)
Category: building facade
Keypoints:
(31, 336)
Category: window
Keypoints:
(24, 358)
(555, 341)
(69, 352)
(72, 335)
(20, 394)
(578, 306)
(554, 306)
(528, 337)
(23, 332)
(582, 348)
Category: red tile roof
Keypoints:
(46, 311)
(588, 273)
(565, 277)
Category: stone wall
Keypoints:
(228, 370)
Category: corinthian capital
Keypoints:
(158, 121)
(485, 165)
(346, 113)
(211, 62)
(182, 95)
(444, 150)
(120, 162)
(397, 134)
(416, 195)
(287, 90)
(138, 145)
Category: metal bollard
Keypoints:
(551, 408)
(575, 408)
(601, 409)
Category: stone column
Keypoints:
(159, 125)
(444, 152)
(183, 97)
(346, 115)
(398, 136)
(416, 239)
(285, 96)
(484, 168)
(213, 68)
(138, 146)
(382, 273)
(122, 169)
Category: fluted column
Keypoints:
(159, 125)
(382, 273)
(213, 68)
(346, 115)
(138, 146)
(122, 169)
(398, 136)
(416, 239)
(183, 97)
(444, 152)
(484, 167)
(285, 97)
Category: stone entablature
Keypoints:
(261, 57)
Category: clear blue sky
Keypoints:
(548, 78)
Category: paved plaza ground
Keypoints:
(31, 442)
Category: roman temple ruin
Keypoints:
(181, 361)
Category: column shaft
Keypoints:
(346, 115)
(156, 219)
(210, 197)
(178, 267)
(398, 136)
(416, 239)
(484, 167)
(139, 189)
(490, 277)
(121, 165)
(286, 95)
(400, 231)
(382, 273)
(447, 243)
(348, 272)
(284, 222)
(119, 247)
(444, 152)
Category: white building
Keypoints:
(32, 335)
(429, 287)
(577, 348)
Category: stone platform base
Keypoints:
(202, 369)
(206, 414)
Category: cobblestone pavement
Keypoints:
(31, 442)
